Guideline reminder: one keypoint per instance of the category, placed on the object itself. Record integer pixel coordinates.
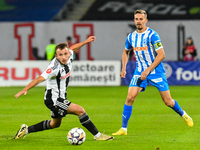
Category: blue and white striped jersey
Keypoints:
(145, 46)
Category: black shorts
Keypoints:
(58, 110)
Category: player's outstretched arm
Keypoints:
(77, 46)
(30, 85)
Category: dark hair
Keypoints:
(52, 41)
(189, 38)
(69, 38)
(61, 46)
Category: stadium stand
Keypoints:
(79, 9)
(85, 10)
(156, 9)
(25, 10)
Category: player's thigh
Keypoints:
(132, 94)
(75, 109)
(134, 91)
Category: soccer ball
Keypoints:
(76, 136)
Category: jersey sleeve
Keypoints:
(128, 45)
(52, 70)
(72, 54)
(156, 41)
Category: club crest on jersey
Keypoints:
(49, 70)
(67, 75)
(144, 42)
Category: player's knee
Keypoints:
(130, 100)
(79, 111)
(169, 102)
(55, 125)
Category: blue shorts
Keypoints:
(157, 80)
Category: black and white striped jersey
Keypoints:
(57, 79)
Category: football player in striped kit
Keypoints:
(57, 76)
(149, 53)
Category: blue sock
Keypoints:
(177, 108)
(126, 115)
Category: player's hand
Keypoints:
(123, 74)
(90, 39)
(20, 93)
(144, 74)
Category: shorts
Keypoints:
(59, 109)
(157, 80)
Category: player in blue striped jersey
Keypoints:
(149, 53)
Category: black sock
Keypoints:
(44, 125)
(87, 123)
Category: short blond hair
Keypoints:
(140, 12)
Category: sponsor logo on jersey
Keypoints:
(157, 80)
(141, 48)
(67, 75)
(49, 70)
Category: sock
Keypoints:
(97, 135)
(125, 129)
(44, 125)
(87, 123)
(126, 115)
(177, 108)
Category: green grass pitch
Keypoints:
(152, 126)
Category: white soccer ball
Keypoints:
(76, 136)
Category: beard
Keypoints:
(139, 28)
